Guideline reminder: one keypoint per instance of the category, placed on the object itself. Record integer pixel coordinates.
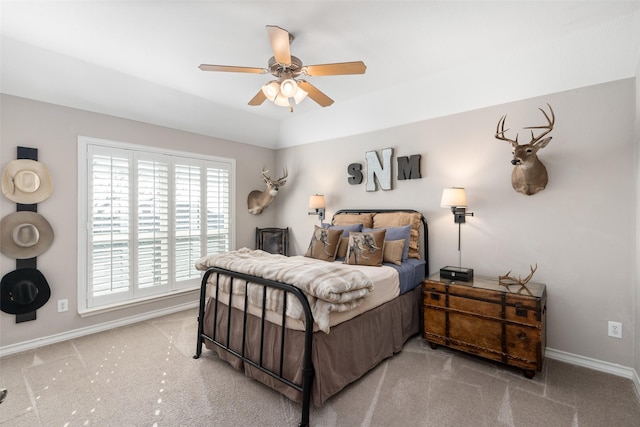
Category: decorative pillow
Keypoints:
(396, 233)
(344, 240)
(397, 219)
(342, 247)
(351, 218)
(366, 248)
(393, 251)
(324, 244)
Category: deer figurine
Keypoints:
(257, 201)
(529, 174)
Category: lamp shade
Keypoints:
(300, 95)
(453, 197)
(316, 202)
(281, 101)
(271, 90)
(288, 88)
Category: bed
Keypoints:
(285, 336)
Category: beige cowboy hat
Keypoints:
(25, 235)
(26, 181)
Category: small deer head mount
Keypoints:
(529, 174)
(257, 200)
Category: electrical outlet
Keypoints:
(615, 329)
(63, 305)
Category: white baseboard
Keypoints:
(76, 333)
(598, 365)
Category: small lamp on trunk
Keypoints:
(456, 199)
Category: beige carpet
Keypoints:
(144, 375)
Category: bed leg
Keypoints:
(199, 341)
(203, 293)
(307, 381)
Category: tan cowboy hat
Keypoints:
(26, 181)
(25, 235)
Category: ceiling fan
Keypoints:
(288, 89)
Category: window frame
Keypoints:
(138, 295)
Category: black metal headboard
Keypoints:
(425, 228)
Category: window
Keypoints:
(146, 216)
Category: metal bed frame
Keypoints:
(307, 365)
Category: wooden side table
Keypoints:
(482, 317)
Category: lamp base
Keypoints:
(456, 273)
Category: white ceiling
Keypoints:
(139, 59)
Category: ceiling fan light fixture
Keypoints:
(284, 94)
(300, 95)
(288, 88)
(271, 90)
(281, 101)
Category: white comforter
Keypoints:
(330, 287)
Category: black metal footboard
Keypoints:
(224, 342)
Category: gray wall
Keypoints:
(579, 230)
(54, 131)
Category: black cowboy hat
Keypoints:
(23, 291)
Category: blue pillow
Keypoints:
(345, 228)
(396, 233)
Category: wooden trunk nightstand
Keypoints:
(482, 317)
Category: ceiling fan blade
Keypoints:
(258, 99)
(315, 93)
(339, 68)
(232, 69)
(280, 43)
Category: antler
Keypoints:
(267, 179)
(549, 126)
(282, 180)
(500, 130)
(507, 280)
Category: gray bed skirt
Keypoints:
(339, 358)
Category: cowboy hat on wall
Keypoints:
(23, 291)
(25, 235)
(26, 181)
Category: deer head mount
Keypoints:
(529, 174)
(257, 200)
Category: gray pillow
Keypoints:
(396, 233)
(345, 228)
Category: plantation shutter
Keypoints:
(218, 207)
(188, 215)
(153, 222)
(110, 221)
